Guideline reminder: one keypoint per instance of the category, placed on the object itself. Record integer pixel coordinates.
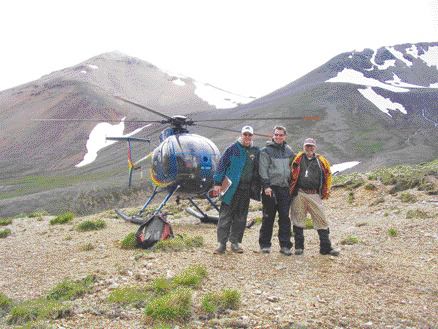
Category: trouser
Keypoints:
(232, 218)
(305, 203)
(280, 202)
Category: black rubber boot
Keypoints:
(325, 246)
(299, 240)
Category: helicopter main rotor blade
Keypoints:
(306, 118)
(97, 120)
(233, 130)
(144, 107)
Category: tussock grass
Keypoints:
(65, 217)
(128, 242)
(219, 301)
(308, 224)
(5, 221)
(350, 240)
(408, 197)
(174, 306)
(179, 243)
(87, 247)
(370, 187)
(37, 309)
(69, 289)
(91, 225)
(191, 277)
(161, 286)
(392, 232)
(5, 233)
(416, 213)
(350, 181)
(5, 304)
(38, 214)
(137, 296)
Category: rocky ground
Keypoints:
(382, 281)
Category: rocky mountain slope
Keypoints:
(385, 276)
(378, 107)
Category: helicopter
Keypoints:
(183, 164)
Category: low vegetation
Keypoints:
(5, 304)
(5, 233)
(350, 240)
(5, 221)
(392, 232)
(91, 225)
(37, 309)
(128, 242)
(87, 247)
(179, 243)
(220, 301)
(65, 217)
(308, 224)
(38, 214)
(174, 306)
(136, 296)
(416, 213)
(69, 289)
(191, 277)
(408, 197)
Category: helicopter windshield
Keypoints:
(188, 160)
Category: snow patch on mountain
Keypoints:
(219, 98)
(396, 81)
(343, 166)
(357, 78)
(382, 103)
(97, 139)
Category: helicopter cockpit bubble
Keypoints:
(187, 160)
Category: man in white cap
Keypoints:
(239, 166)
(311, 180)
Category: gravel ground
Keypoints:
(380, 282)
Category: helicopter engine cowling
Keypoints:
(187, 160)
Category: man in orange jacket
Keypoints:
(311, 180)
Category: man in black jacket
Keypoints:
(274, 170)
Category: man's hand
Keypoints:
(268, 192)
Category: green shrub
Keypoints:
(4, 233)
(69, 290)
(370, 187)
(180, 242)
(308, 224)
(350, 181)
(37, 309)
(128, 241)
(392, 232)
(63, 218)
(350, 199)
(408, 197)
(220, 301)
(191, 277)
(350, 240)
(5, 221)
(176, 305)
(417, 213)
(91, 225)
(136, 296)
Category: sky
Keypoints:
(247, 47)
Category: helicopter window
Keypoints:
(164, 156)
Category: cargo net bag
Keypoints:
(156, 228)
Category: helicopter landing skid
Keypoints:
(198, 213)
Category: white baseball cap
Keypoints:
(248, 129)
